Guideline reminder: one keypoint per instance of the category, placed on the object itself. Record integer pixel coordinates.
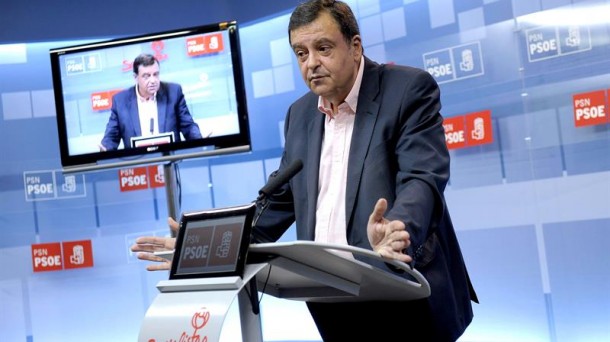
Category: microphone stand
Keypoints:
(261, 203)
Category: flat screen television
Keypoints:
(205, 61)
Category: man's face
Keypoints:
(328, 63)
(148, 79)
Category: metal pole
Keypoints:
(173, 205)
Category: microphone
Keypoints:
(281, 178)
(274, 183)
(152, 126)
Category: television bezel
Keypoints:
(208, 146)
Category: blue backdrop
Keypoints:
(532, 208)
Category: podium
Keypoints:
(194, 309)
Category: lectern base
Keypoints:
(195, 309)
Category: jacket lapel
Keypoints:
(366, 116)
(315, 134)
(162, 99)
(134, 115)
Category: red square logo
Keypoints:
(203, 45)
(454, 132)
(101, 101)
(590, 108)
(156, 175)
(46, 257)
(133, 179)
(479, 128)
(77, 254)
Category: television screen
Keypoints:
(151, 94)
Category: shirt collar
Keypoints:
(351, 100)
(144, 99)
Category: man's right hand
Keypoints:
(145, 246)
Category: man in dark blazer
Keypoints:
(398, 154)
(375, 166)
(170, 114)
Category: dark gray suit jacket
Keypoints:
(398, 152)
(124, 121)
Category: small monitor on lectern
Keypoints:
(213, 243)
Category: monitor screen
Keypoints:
(186, 92)
(212, 243)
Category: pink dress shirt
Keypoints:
(330, 210)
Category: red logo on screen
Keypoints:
(157, 48)
(590, 108)
(157, 51)
(102, 100)
(455, 135)
(77, 254)
(203, 45)
(127, 66)
(479, 128)
(46, 257)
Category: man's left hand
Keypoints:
(388, 238)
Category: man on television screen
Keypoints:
(148, 109)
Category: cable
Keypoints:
(265, 284)
(178, 183)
